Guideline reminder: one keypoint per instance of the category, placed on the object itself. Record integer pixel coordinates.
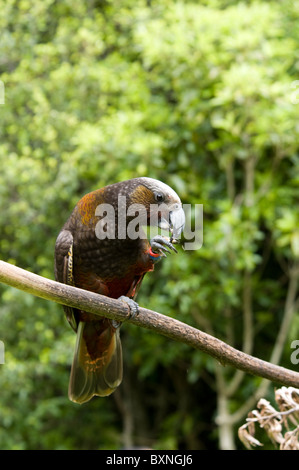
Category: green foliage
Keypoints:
(197, 94)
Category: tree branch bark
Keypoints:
(111, 308)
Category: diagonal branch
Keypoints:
(174, 329)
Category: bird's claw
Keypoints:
(157, 245)
(133, 306)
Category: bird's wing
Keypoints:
(64, 269)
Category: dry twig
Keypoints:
(281, 426)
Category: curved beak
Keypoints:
(177, 222)
(174, 221)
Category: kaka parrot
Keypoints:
(110, 263)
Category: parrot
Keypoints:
(99, 254)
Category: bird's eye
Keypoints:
(159, 197)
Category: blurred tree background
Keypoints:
(200, 95)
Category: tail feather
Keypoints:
(97, 365)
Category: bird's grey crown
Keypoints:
(156, 186)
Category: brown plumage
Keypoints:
(113, 266)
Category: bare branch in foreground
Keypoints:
(174, 329)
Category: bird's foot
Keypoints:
(160, 244)
(133, 306)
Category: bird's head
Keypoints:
(163, 205)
